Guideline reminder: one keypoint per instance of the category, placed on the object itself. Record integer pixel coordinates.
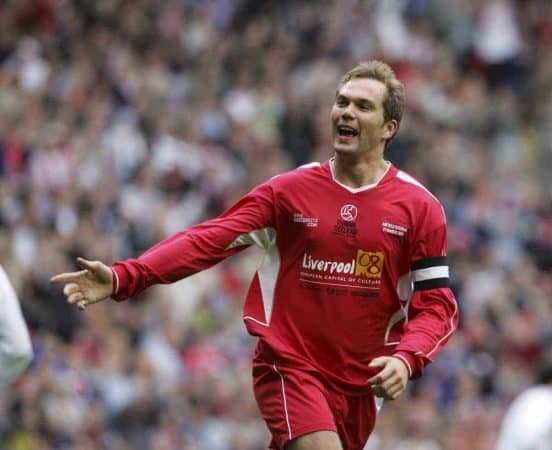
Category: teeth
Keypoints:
(346, 130)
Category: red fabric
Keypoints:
(327, 292)
(296, 402)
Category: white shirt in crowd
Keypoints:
(527, 424)
(15, 344)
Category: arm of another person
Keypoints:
(248, 222)
(15, 344)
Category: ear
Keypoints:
(390, 128)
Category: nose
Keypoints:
(347, 112)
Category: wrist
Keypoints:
(120, 282)
(407, 360)
(114, 282)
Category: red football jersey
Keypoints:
(348, 274)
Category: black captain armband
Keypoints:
(430, 273)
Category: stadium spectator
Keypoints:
(16, 351)
(528, 421)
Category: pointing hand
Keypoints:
(92, 284)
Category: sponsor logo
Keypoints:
(336, 291)
(311, 286)
(331, 267)
(364, 270)
(391, 228)
(346, 225)
(367, 294)
(349, 213)
(344, 228)
(307, 221)
(367, 264)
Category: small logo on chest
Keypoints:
(391, 228)
(349, 213)
(307, 221)
(346, 223)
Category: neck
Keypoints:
(357, 172)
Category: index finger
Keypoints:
(381, 376)
(68, 277)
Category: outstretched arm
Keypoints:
(15, 344)
(176, 257)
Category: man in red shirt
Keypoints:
(351, 299)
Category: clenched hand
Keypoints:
(390, 381)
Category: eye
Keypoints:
(341, 101)
(365, 106)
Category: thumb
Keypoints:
(380, 361)
(85, 264)
(98, 269)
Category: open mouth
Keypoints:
(346, 131)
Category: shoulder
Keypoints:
(419, 200)
(6, 288)
(415, 192)
(536, 396)
(306, 172)
(414, 188)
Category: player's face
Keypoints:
(357, 117)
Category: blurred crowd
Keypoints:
(122, 121)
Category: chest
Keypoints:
(349, 225)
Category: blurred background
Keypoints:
(122, 121)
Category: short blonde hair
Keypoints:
(394, 102)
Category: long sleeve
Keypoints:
(432, 309)
(198, 247)
(15, 344)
